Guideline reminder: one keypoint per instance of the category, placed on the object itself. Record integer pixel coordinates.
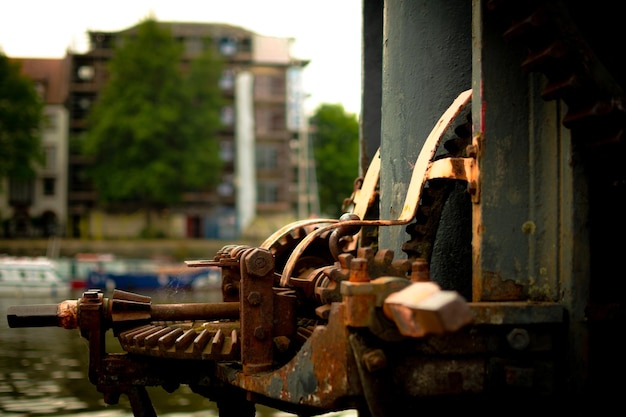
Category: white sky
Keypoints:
(327, 32)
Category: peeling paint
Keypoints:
(303, 382)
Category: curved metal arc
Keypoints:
(299, 250)
(285, 230)
(368, 187)
(414, 191)
(360, 208)
(365, 194)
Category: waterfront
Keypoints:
(43, 371)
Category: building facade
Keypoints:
(38, 208)
(258, 175)
(256, 139)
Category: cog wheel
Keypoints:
(368, 263)
(282, 243)
(184, 340)
(435, 193)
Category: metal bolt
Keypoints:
(230, 290)
(259, 333)
(254, 298)
(518, 339)
(374, 360)
(358, 270)
(259, 262)
(91, 294)
(348, 230)
(282, 343)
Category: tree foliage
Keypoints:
(336, 154)
(152, 132)
(21, 116)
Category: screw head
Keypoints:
(259, 262)
(259, 333)
(254, 298)
(518, 339)
(374, 360)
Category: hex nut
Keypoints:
(374, 360)
(518, 339)
(259, 262)
(259, 333)
(254, 298)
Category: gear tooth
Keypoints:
(384, 257)
(402, 266)
(326, 234)
(299, 233)
(289, 239)
(234, 341)
(365, 253)
(183, 342)
(345, 259)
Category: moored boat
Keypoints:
(31, 276)
(173, 276)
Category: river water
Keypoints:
(43, 371)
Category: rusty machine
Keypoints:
(483, 272)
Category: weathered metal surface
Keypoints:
(257, 310)
(412, 199)
(499, 313)
(320, 375)
(314, 321)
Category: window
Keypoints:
(226, 151)
(227, 116)
(228, 46)
(227, 81)
(266, 157)
(50, 154)
(41, 87)
(245, 45)
(51, 121)
(49, 185)
(84, 103)
(278, 119)
(269, 86)
(267, 192)
(85, 72)
(226, 187)
(279, 85)
(20, 191)
(194, 46)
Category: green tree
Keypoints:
(21, 116)
(336, 154)
(152, 132)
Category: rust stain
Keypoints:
(496, 289)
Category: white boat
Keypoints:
(31, 276)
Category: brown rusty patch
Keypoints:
(317, 376)
(497, 289)
(67, 312)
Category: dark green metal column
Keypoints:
(372, 52)
(426, 64)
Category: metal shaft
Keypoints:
(38, 315)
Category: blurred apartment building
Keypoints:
(261, 117)
(39, 207)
